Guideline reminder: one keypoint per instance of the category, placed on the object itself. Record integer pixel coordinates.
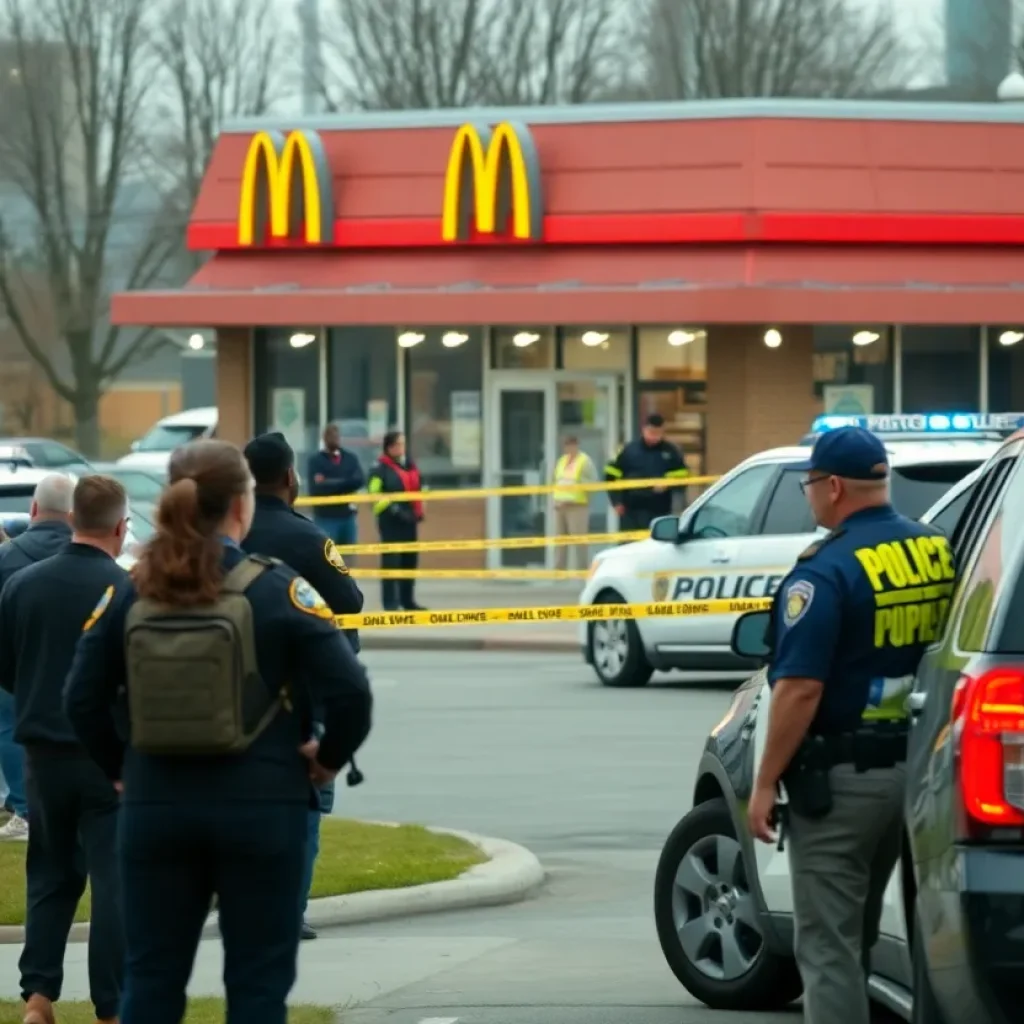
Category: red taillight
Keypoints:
(988, 716)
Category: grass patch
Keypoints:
(354, 857)
(200, 1011)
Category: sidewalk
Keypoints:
(467, 594)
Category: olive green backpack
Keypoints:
(194, 687)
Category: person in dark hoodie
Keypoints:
(48, 532)
(335, 472)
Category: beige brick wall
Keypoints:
(757, 397)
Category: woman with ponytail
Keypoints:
(219, 655)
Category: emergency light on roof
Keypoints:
(947, 423)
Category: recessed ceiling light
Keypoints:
(453, 339)
(865, 337)
(1010, 337)
(773, 337)
(524, 339)
(407, 339)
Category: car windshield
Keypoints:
(165, 438)
(916, 488)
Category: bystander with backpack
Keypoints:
(73, 806)
(221, 656)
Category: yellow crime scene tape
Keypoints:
(564, 613)
(496, 542)
(469, 574)
(469, 493)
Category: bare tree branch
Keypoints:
(702, 49)
(410, 54)
(71, 140)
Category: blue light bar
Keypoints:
(962, 423)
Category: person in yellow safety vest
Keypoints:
(572, 505)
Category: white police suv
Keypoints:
(741, 536)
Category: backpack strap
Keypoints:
(246, 573)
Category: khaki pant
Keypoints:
(571, 520)
(840, 866)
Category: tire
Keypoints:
(926, 1007)
(616, 650)
(709, 922)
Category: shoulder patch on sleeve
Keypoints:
(333, 556)
(798, 598)
(306, 600)
(102, 605)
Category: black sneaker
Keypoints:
(307, 932)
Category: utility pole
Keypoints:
(312, 61)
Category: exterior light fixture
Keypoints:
(1008, 338)
(524, 339)
(773, 337)
(453, 339)
(298, 340)
(593, 338)
(408, 339)
(862, 338)
(678, 338)
(196, 341)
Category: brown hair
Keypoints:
(99, 503)
(181, 564)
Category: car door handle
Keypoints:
(720, 556)
(916, 702)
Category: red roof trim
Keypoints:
(644, 229)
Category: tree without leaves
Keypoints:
(221, 59)
(709, 49)
(69, 142)
(414, 54)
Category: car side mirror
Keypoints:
(750, 636)
(666, 529)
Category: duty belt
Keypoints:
(869, 748)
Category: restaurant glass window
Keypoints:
(523, 348)
(672, 380)
(941, 369)
(1006, 369)
(286, 382)
(445, 418)
(853, 369)
(362, 376)
(596, 348)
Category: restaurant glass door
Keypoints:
(529, 419)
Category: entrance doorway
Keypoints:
(528, 419)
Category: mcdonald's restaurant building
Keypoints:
(492, 281)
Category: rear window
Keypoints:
(166, 439)
(916, 488)
(16, 498)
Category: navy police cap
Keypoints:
(850, 452)
(270, 457)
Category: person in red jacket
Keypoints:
(397, 521)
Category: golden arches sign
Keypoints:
(286, 186)
(492, 178)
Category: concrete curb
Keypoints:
(425, 642)
(511, 874)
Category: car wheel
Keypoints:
(926, 1007)
(708, 920)
(616, 650)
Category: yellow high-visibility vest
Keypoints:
(565, 476)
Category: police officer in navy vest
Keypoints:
(217, 653)
(849, 625)
(335, 472)
(280, 532)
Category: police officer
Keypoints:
(849, 626)
(280, 532)
(48, 531)
(230, 824)
(73, 806)
(648, 457)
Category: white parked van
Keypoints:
(153, 451)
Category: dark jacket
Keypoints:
(296, 645)
(39, 541)
(42, 611)
(638, 460)
(396, 520)
(335, 474)
(279, 532)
